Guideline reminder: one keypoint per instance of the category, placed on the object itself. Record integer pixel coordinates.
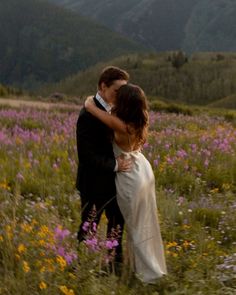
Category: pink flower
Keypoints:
(61, 251)
(109, 244)
(60, 233)
(85, 226)
(92, 244)
(70, 257)
(206, 163)
(19, 176)
(94, 226)
(115, 243)
(155, 162)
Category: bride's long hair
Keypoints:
(132, 107)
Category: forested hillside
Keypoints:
(211, 26)
(40, 42)
(200, 79)
(157, 24)
(192, 25)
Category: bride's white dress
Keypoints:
(137, 200)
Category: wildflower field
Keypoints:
(194, 161)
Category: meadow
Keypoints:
(194, 162)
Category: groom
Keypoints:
(97, 164)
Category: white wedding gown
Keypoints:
(137, 201)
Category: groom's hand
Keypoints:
(124, 165)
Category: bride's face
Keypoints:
(109, 93)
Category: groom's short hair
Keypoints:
(111, 74)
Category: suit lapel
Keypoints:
(97, 103)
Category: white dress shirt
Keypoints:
(106, 105)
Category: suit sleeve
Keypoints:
(86, 148)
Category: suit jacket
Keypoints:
(96, 176)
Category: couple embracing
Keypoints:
(113, 174)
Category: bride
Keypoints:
(135, 188)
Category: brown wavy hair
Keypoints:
(132, 108)
(111, 74)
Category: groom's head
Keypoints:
(111, 79)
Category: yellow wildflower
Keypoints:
(42, 285)
(21, 248)
(26, 267)
(4, 185)
(162, 166)
(49, 265)
(186, 226)
(17, 257)
(49, 261)
(9, 232)
(26, 227)
(34, 222)
(66, 291)
(43, 231)
(1, 238)
(41, 242)
(61, 261)
(51, 240)
(51, 268)
(171, 244)
(72, 275)
(214, 190)
(186, 244)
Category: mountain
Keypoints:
(190, 25)
(200, 79)
(41, 43)
(157, 24)
(211, 26)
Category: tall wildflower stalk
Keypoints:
(96, 243)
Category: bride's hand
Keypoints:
(89, 102)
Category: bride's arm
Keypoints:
(110, 120)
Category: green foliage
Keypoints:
(228, 102)
(196, 206)
(6, 91)
(160, 106)
(178, 59)
(208, 217)
(3, 91)
(201, 81)
(30, 124)
(41, 42)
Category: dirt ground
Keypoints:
(37, 104)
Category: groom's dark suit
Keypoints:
(96, 176)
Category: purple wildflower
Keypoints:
(85, 226)
(60, 233)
